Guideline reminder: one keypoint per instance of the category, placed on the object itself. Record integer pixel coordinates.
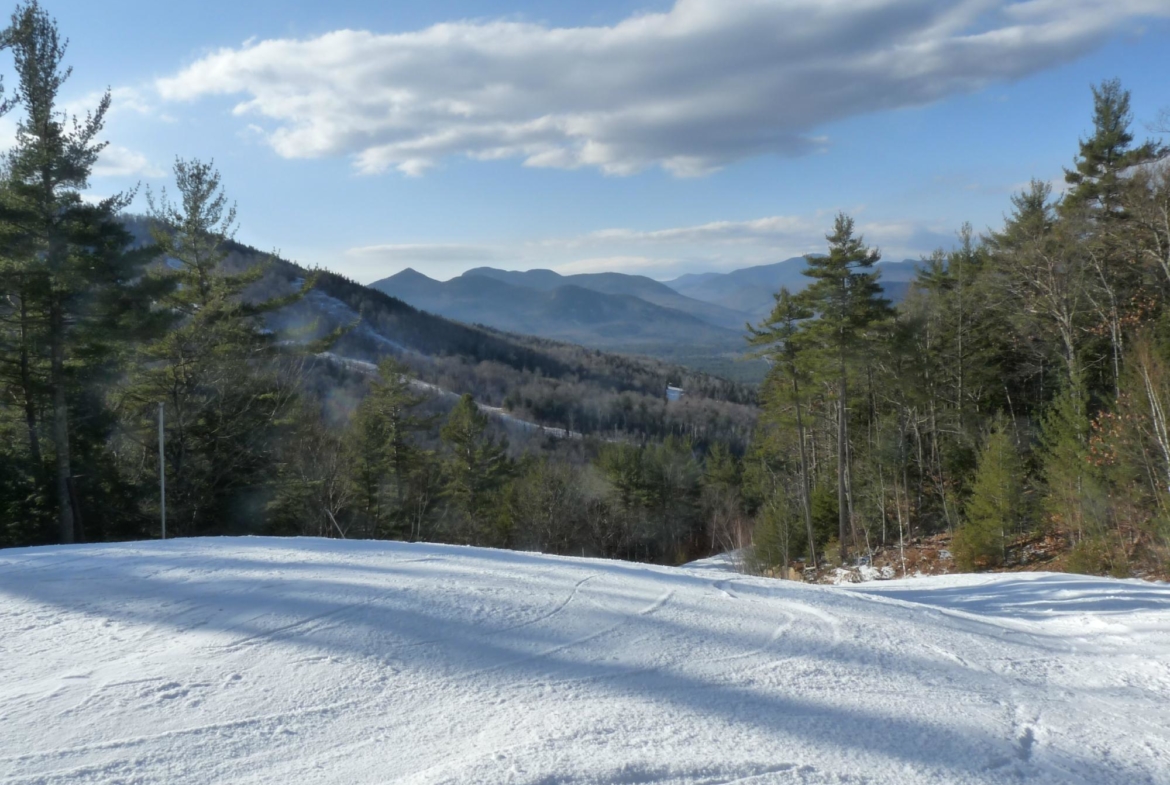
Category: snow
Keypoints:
(498, 413)
(322, 661)
(729, 561)
(863, 573)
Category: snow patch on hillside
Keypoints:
(319, 661)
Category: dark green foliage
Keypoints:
(1049, 323)
(867, 431)
(69, 278)
(779, 534)
(217, 372)
(1075, 499)
(996, 507)
(1097, 177)
(382, 453)
(848, 303)
(475, 471)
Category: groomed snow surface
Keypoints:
(320, 661)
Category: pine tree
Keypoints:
(475, 471)
(673, 484)
(722, 499)
(1101, 186)
(1074, 498)
(312, 488)
(1098, 174)
(777, 533)
(848, 303)
(779, 341)
(382, 451)
(69, 259)
(996, 505)
(1043, 275)
(218, 371)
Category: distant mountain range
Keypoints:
(696, 319)
(750, 291)
(568, 311)
(621, 284)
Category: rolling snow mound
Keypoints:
(321, 661)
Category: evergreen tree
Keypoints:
(777, 536)
(722, 499)
(779, 341)
(1101, 185)
(847, 300)
(1074, 498)
(996, 506)
(1098, 174)
(549, 506)
(67, 260)
(383, 452)
(226, 387)
(312, 489)
(475, 471)
(673, 477)
(1043, 274)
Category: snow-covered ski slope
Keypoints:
(321, 661)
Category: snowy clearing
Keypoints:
(321, 661)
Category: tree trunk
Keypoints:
(30, 409)
(842, 458)
(804, 484)
(60, 420)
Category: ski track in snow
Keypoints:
(320, 661)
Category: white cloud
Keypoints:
(707, 83)
(734, 232)
(658, 253)
(423, 253)
(123, 100)
(642, 265)
(116, 161)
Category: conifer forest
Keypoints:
(1019, 393)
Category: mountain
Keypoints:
(535, 379)
(621, 284)
(750, 289)
(552, 306)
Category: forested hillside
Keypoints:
(749, 291)
(610, 313)
(1019, 389)
(270, 422)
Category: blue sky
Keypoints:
(645, 137)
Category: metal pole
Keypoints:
(162, 472)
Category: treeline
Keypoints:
(551, 383)
(1022, 388)
(400, 469)
(113, 328)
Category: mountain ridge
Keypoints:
(605, 320)
(750, 289)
